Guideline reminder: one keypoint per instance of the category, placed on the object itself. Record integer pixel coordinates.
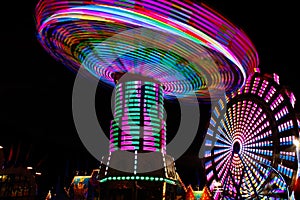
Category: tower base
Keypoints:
(136, 184)
(136, 190)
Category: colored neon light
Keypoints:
(73, 31)
(138, 178)
(138, 126)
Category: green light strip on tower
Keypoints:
(138, 178)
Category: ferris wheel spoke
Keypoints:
(266, 181)
(256, 131)
(223, 131)
(230, 184)
(257, 155)
(256, 171)
(251, 175)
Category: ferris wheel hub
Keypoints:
(236, 147)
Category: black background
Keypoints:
(36, 91)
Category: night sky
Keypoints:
(36, 91)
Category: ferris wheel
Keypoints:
(250, 149)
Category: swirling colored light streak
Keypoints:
(73, 32)
(254, 140)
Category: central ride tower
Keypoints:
(137, 151)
